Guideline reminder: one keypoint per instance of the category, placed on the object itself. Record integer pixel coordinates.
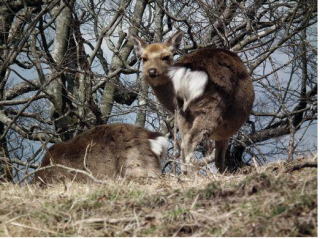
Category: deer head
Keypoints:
(156, 57)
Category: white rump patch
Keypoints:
(188, 84)
(159, 144)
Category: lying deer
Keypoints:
(106, 151)
(210, 88)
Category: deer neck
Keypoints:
(163, 89)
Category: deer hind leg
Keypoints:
(189, 143)
(221, 147)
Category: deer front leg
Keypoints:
(184, 128)
(186, 152)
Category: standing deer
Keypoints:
(107, 151)
(210, 88)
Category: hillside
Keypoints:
(279, 199)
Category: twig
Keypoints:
(104, 220)
(194, 202)
(94, 179)
(33, 228)
(85, 157)
(17, 161)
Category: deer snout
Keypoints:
(153, 72)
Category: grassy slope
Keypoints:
(255, 202)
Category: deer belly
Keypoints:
(188, 85)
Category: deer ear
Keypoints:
(138, 43)
(174, 41)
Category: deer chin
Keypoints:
(159, 80)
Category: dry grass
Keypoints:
(275, 200)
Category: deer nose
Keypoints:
(152, 72)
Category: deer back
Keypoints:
(214, 82)
(107, 151)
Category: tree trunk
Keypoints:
(116, 62)
(57, 86)
(142, 102)
(6, 19)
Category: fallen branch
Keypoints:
(301, 166)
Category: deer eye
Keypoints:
(165, 58)
(144, 59)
